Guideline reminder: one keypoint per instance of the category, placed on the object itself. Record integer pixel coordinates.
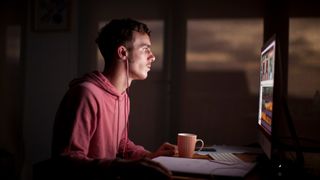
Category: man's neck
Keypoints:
(118, 79)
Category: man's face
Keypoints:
(140, 56)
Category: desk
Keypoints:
(265, 170)
(199, 168)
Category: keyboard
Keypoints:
(225, 157)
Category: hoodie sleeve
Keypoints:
(130, 150)
(74, 124)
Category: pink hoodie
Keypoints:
(91, 122)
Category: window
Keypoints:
(303, 76)
(304, 57)
(222, 78)
(225, 45)
(13, 34)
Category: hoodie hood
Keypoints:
(100, 81)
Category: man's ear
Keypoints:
(122, 53)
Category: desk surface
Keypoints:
(199, 168)
(264, 169)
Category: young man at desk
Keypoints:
(91, 126)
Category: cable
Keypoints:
(288, 117)
(126, 110)
(299, 153)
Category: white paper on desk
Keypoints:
(204, 167)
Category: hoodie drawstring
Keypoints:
(118, 123)
(126, 127)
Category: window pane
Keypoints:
(13, 39)
(303, 77)
(222, 79)
(304, 57)
(225, 45)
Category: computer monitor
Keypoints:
(274, 121)
(275, 124)
(269, 95)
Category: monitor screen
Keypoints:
(266, 94)
(266, 87)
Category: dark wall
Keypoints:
(11, 88)
(32, 87)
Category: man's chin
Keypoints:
(143, 77)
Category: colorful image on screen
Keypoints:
(266, 87)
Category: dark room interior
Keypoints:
(205, 79)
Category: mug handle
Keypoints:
(202, 144)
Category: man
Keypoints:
(91, 125)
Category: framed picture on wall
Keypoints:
(51, 15)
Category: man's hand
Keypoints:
(166, 149)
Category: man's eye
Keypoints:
(146, 49)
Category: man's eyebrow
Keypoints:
(144, 44)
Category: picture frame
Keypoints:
(51, 15)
